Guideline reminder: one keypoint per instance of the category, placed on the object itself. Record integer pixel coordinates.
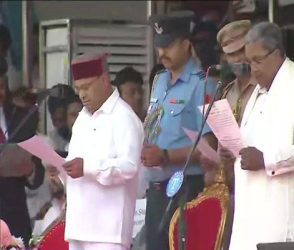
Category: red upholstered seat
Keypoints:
(54, 238)
(205, 217)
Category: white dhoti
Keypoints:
(82, 245)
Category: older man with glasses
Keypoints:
(264, 201)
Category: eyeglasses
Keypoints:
(260, 60)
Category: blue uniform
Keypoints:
(179, 103)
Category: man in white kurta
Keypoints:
(264, 204)
(106, 144)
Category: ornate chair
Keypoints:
(205, 216)
(53, 237)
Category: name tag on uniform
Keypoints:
(176, 101)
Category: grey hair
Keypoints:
(269, 34)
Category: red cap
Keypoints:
(86, 67)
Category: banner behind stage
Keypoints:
(139, 218)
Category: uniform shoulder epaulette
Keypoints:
(201, 74)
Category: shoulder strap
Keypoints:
(227, 89)
(155, 80)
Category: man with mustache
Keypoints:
(177, 92)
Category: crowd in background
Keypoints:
(47, 201)
(40, 200)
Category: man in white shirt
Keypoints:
(103, 160)
(264, 204)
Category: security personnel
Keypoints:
(177, 92)
(231, 39)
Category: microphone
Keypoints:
(177, 180)
(57, 91)
(216, 67)
(237, 68)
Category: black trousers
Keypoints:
(157, 202)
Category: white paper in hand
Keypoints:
(203, 146)
(224, 126)
(37, 146)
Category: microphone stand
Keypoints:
(182, 222)
(30, 113)
(54, 91)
